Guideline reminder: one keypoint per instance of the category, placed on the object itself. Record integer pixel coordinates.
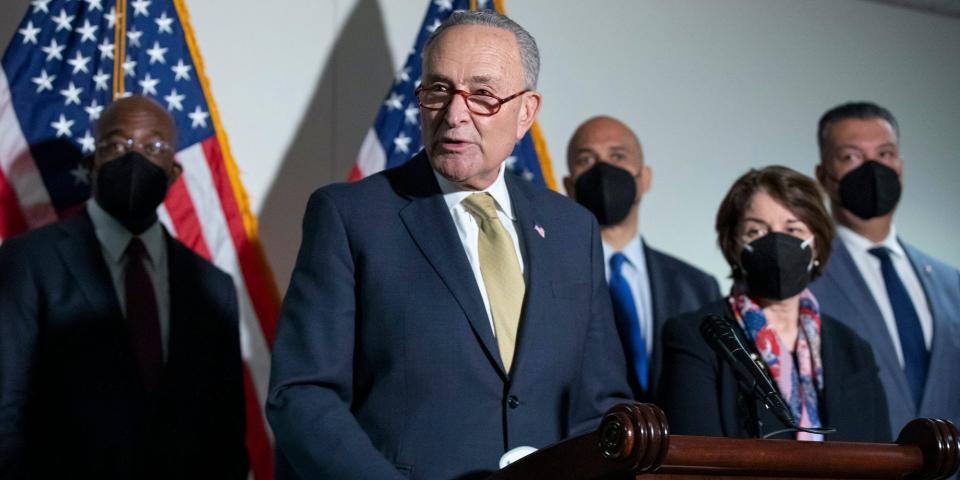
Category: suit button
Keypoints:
(513, 401)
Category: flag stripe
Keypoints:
(206, 186)
(18, 167)
(11, 220)
(259, 299)
(258, 446)
(183, 216)
(256, 271)
(253, 271)
(372, 158)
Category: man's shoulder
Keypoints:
(546, 199)
(409, 180)
(685, 328)
(42, 238)
(189, 263)
(926, 262)
(670, 265)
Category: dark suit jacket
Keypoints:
(385, 364)
(843, 294)
(701, 396)
(71, 401)
(676, 287)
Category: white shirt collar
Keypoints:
(858, 243)
(453, 194)
(115, 237)
(632, 250)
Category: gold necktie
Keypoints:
(500, 269)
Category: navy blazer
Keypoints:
(71, 401)
(676, 287)
(844, 294)
(385, 365)
(701, 395)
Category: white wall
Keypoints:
(711, 87)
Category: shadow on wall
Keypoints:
(343, 107)
(14, 10)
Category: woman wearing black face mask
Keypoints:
(775, 233)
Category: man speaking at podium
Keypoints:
(444, 312)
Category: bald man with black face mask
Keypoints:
(608, 176)
(119, 347)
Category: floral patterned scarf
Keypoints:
(799, 374)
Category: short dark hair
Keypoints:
(857, 110)
(796, 192)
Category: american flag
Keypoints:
(395, 135)
(66, 62)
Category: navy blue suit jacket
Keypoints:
(385, 365)
(71, 401)
(701, 395)
(844, 295)
(676, 287)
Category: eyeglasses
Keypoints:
(120, 147)
(439, 97)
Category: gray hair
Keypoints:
(529, 53)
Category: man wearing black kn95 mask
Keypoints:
(903, 302)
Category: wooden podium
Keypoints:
(634, 440)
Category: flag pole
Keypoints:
(119, 48)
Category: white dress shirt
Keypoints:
(469, 229)
(635, 272)
(869, 267)
(114, 239)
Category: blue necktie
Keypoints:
(916, 359)
(628, 320)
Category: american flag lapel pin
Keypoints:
(540, 230)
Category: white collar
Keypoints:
(115, 237)
(856, 242)
(453, 194)
(633, 250)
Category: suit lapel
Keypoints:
(659, 307)
(846, 278)
(535, 272)
(428, 220)
(835, 372)
(80, 251)
(941, 342)
(181, 307)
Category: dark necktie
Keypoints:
(143, 320)
(628, 320)
(916, 359)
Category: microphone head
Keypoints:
(709, 326)
(722, 337)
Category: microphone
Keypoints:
(753, 378)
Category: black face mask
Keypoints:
(870, 190)
(777, 265)
(607, 191)
(130, 188)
